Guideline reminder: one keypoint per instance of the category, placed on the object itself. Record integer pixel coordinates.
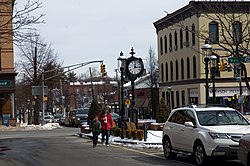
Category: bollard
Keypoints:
(145, 131)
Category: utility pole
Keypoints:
(92, 87)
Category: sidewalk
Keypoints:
(154, 140)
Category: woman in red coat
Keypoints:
(106, 120)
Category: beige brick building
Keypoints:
(7, 72)
(180, 37)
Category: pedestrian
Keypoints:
(95, 127)
(106, 122)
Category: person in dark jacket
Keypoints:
(106, 122)
(95, 127)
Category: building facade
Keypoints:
(7, 72)
(181, 36)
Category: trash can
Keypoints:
(6, 120)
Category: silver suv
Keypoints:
(203, 131)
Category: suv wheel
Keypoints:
(200, 154)
(168, 150)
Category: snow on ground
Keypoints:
(24, 126)
(154, 140)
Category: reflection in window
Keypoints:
(166, 71)
(176, 70)
(188, 68)
(161, 46)
(237, 32)
(171, 71)
(213, 32)
(162, 72)
(194, 67)
(165, 44)
(182, 68)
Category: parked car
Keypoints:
(116, 118)
(244, 150)
(48, 119)
(57, 117)
(77, 117)
(204, 131)
(61, 121)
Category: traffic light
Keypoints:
(103, 70)
(219, 65)
(222, 65)
(226, 66)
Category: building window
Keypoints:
(193, 34)
(171, 71)
(194, 67)
(177, 98)
(237, 32)
(175, 41)
(183, 97)
(188, 68)
(162, 72)
(213, 32)
(170, 42)
(176, 70)
(182, 69)
(163, 95)
(165, 44)
(181, 38)
(161, 46)
(172, 99)
(187, 37)
(166, 71)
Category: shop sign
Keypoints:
(5, 83)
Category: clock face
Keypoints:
(135, 67)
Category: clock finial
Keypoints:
(132, 51)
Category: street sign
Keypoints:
(245, 59)
(5, 83)
(233, 60)
(37, 90)
(127, 102)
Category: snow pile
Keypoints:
(25, 126)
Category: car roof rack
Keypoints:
(199, 106)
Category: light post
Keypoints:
(207, 56)
(122, 68)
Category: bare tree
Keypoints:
(20, 19)
(36, 57)
(152, 67)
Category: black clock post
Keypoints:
(134, 68)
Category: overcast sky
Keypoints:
(86, 30)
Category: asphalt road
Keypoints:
(62, 147)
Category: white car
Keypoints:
(204, 132)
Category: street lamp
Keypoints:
(122, 69)
(169, 96)
(207, 56)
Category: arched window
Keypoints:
(194, 67)
(175, 41)
(193, 34)
(161, 46)
(187, 37)
(162, 73)
(213, 32)
(237, 32)
(188, 68)
(182, 69)
(165, 44)
(170, 42)
(176, 70)
(171, 71)
(166, 71)
(181, 38)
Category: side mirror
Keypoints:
(189, 124)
